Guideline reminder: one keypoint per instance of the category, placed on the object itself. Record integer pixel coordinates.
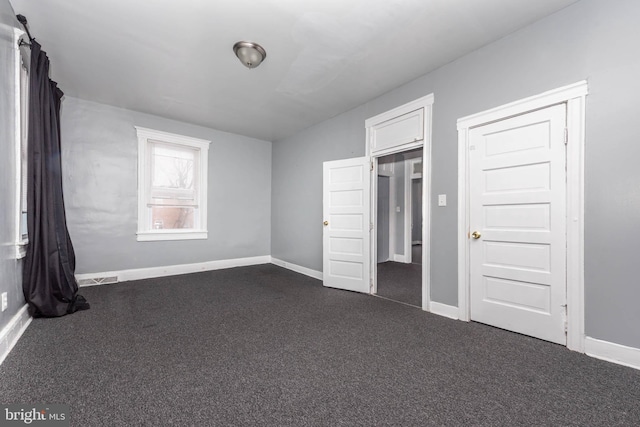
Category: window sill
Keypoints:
(21, 249)
(159, 235)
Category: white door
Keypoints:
(518, 213)
(346, 251)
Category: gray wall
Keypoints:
(297, 185)
(99, 155)
(10, 268)
(592, 39)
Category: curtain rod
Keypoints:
(23, 20)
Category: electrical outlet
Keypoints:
(4, 301)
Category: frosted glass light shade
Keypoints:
(249, 53)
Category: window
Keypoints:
(172, 186)
(21, 127)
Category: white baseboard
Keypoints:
(400, 258)
(172, 270)
(444, 310)
(13, 331)
(297, 268)
(611, 352)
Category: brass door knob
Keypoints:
(325, 223)
(476, 235)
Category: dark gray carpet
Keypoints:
(400, 282)
(265, 346)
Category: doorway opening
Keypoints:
(399, 227)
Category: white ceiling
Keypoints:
(175, 58)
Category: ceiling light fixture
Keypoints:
(249, 53)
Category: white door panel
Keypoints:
(346, 206)
(518, 206)
(400, 130)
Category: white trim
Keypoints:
(611, 352)
(463, 226)
(173, 138)
(155, 235)
(393, 217)
(20, 243)
(399, 148)
(172, 270)
(297, 268)
(373, 273)
(21, 249)
(18, 140)
(545, 99)
(400, 258)
(445, 310)
(575, 222)
(13, 331)
(416, 104)
(408, 211)
(145, 232)
(426, 206)
(425, 102)
(574, 96)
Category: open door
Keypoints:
(346, 211)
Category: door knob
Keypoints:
(476, 235)
(325, 223)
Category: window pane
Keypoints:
(173, 168)
(172, 179)
(24, 234)
(171, 217)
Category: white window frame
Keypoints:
(21, 87)
(145, 230)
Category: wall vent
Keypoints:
(98, 281)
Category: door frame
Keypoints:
(410, 176)
(392, 212)
(574, 96)
(425, 102)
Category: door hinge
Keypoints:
(565, 318)
(372, 166)
(370, 226)
(566, 136)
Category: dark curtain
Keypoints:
(49, 283)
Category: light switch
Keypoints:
(442, 200)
